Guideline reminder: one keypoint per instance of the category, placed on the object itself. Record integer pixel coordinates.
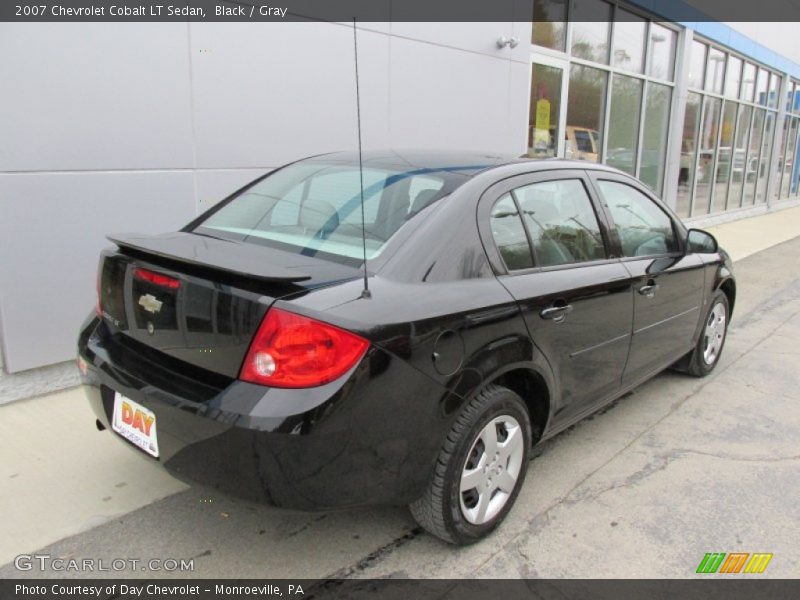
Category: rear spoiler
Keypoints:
(242, 260)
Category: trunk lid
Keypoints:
(198, 299)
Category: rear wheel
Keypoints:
(480, 470)
(712, 338)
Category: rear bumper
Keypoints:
(371, 437)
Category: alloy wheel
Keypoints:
(714, 334)
(491, 470)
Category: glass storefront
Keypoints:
(603, 81)
(654, 138)
(789, 173)
(626, 103)
(764, 163)
(689, 166)
(753, 153)
(585, 112)
(739, 162)
(618, 69)
(726, 142)
(545, 107)
(549, 24)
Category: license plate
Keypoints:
(135, 423)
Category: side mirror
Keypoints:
(701, 242)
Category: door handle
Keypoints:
(649, 290)
(557, 312)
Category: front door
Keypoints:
(667, 284)
(576, 301)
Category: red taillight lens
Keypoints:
(156, 278)
(293, 351)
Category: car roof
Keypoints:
(414, 160)
(465, 162)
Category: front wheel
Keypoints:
(480, 469)
(712, 337)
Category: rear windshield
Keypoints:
(314, 208)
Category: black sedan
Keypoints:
(507, 299)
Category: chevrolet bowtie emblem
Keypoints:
(150, 303)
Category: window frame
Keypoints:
(505, 186)
(678, 228)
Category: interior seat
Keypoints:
(319, 217)
(543, 218)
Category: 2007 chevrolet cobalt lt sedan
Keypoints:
(508, 298)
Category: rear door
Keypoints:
(574, 296)
(668, 284)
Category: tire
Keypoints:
(705, 355)
(465, 517)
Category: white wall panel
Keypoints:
(518, 105)
(473, 37)
(94, 96)
(268, 93)
(445, 98)
(52, 229)
(214, 185)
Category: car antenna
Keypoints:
(365, 292)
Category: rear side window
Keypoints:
(509, 235)
(561, 221)
(644, 228)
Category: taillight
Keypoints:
(292, 351)
(156, 278)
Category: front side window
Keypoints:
(561, 222)
(644, 229)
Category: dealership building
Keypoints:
(111, 127)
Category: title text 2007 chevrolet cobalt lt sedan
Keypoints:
(508, 299)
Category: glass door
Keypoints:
(547, 108)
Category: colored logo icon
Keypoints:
(734, 562)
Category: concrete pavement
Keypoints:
(748, 236)
(678, 468)
(61, 476)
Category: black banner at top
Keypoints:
(382, 10)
